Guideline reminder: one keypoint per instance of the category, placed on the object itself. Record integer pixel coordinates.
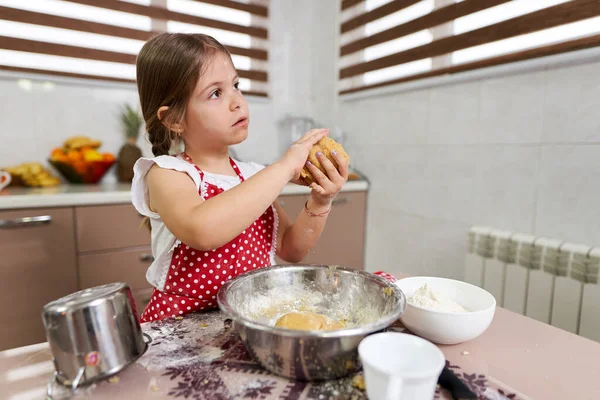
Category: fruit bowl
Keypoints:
(84, 172)
(79, 160)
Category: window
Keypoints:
(99, 39)
(386, 42)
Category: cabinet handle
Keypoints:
(25, 222)
(339, 201)
(282, 203)
(146, 257)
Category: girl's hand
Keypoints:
(327, 186)
(295, 157)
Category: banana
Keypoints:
(33, 174)
(77, 142)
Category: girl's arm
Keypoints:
(209, 224)
(296, 240)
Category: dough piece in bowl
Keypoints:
(326, 146)
(308, 321)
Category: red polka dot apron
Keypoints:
(195, 276)
(386, 276)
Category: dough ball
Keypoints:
(307, 321)
(326, 146)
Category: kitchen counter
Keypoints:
(117, 193)
(201, 357)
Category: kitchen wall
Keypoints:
(519, 152)
(38, 114)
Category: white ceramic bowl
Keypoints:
(448, 327)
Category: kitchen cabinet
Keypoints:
(109, 227)
(343, 239)
(73, 248)
(113, 246)
(38, 265)
(127, 266)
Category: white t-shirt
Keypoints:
(163, 241)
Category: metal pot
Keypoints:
(369, 302)
(93, 334)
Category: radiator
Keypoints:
(547, 279)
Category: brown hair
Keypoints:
(167, 68)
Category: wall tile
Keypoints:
(394, 242)
(506, 186)
(17, 115)
(568, 205)
(512, 109)
(368, 159)
(397, 178)
(454, 114)
(396, 119)
(445, 246)
(572, 103)
(450, 178)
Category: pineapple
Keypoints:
(131, 121)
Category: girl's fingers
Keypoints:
(332, 172)
(342, 164)
(318, 189)
(311, 136)
(314, 139)
(320, 177)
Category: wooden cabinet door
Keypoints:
(110, 227)
(343, 240)
(127, 266)
(36, 267)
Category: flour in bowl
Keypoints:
(426, 298)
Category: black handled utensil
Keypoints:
(449, 381)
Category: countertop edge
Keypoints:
(106, 197)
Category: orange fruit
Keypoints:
(108, 157)
(80, 166)
(74, 155)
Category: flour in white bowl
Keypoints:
(426, 298)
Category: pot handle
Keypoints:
(50, 386)
(146, 336)
(77, 378)
(50, 395)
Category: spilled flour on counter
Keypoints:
(209, 353)
(184, 342)
(426, 298)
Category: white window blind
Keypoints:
(386, 42)
(99, 39)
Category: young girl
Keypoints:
(212, 217)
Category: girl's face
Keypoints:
(217, 115)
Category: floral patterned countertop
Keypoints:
(201, 357)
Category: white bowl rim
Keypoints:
(414, 278)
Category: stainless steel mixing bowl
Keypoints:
(256, 299)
